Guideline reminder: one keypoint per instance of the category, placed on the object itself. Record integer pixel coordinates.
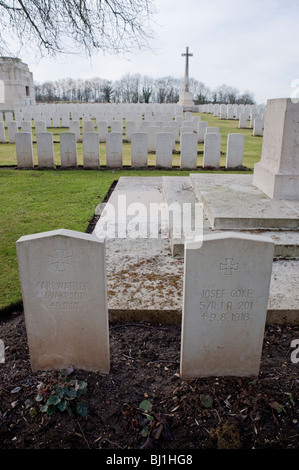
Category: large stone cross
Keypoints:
(187, 55)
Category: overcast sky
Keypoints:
(248, 44)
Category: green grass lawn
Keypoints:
(34, 201)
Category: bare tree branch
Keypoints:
(68, 26)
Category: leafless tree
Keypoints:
(68, 26)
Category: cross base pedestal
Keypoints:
(186, 99)
(187, 102)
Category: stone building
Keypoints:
(16, 84)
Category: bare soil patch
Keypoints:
(209, 413)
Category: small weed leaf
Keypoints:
(82, 409)
(206, 401)
(72, 393)
(277, 406)
(146, 406)
(145, 431)
(53, 400)
(62, 405)
(57, 394)
(82, 387)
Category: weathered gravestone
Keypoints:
(226, 287)
(164, 145)
(189, 150)
(139, 149)
(24, 150)
(258, 127)
(201, 130)
(91, 150)
(26, 126)
(88, 126)
(45, 149)
(114, 151)
(40, 126)
(102, 130)
(68, 149)
(212, 148)
(63, 280)
(2, 133)
(234, 150)
(12, 129)
(75, 127)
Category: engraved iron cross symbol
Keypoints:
(59, 260)
(229, 266)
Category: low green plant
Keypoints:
(146, 408)
(62, 393)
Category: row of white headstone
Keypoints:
(251, 117)
(162, 143)
(225, 299)
(55, 116)
(231, 111)
(61, 115)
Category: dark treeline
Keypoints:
(136, 89)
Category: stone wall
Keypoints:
(16, 84)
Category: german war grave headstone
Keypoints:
(63, 281)
(226, 288)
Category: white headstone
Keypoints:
(201, 130)
(212, 147)
(243, 121)
(258, 127)
(12, 129)
(139, 149)
(226, 288)
(253, 116)
(40, 126)
(63, 280)
(164, 146)
(223, 111)
(88, 126)
(68, 149)
(188, 116)
(114, 149)
(45, 149)
(130, 127)
(26, 126)
(230, 112)
(189, 150)
(8, 117)
(91, 150)
(65, 120)
(24, 150)
(235, 150)
(56, 120)
(102, 130)
(75, 127)
(2, 133)
(151, 137)
(117, 126)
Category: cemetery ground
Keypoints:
(207, 413)
(143, 402)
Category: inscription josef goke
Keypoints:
(226, 305)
